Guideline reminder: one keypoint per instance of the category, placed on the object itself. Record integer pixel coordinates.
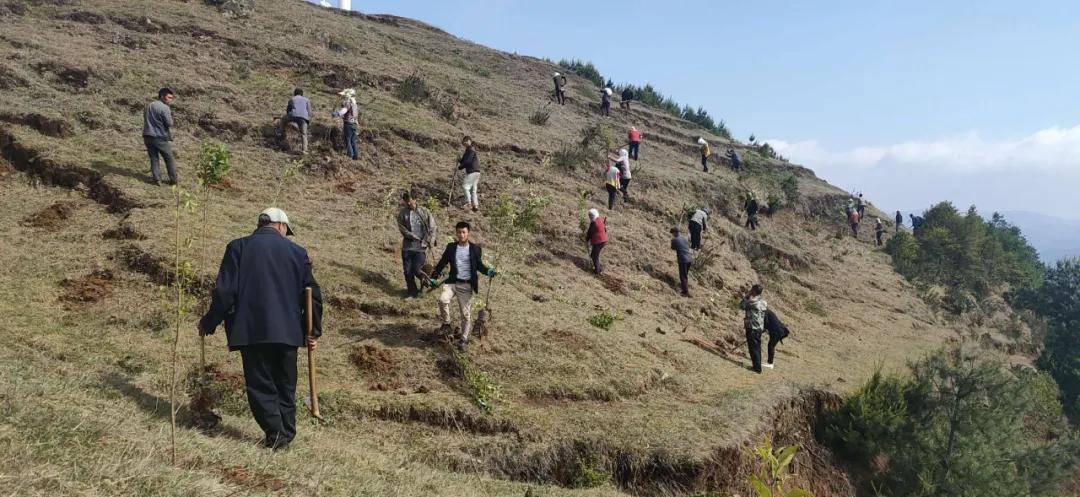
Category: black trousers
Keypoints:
(270, 379)
(684, 273)
(751, 221)
(625, 183)
(612, 192)
(695, 235)
(705, 163)
(773, 341)
(879, 235)
(560, 96)
(855, 229)
(594, 254)
(753, 342)
(411, 262)
(634, 149)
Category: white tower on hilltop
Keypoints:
(345, 4)
(325, 3)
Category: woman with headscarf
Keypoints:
(705, 153)
(623, 163)
(612, 183)
(597, 238)
(349, 119)
(605, 102)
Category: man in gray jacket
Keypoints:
(297, 111)
(157, 134)
(418, 231)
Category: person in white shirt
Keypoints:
(466, 262)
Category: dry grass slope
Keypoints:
(660, 403)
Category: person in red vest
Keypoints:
(597, 238)
(635, 142)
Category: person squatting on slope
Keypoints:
(466, 263)
(298, 112)
(612, 182)
(736, 161)
(350, 118)
(471, 183)
(634, 139)
(597, 238)
(157, 135)
(777, 333)
(418, 234)
(259, 295)
(605, 102)
(705, 153)
(751, 207)
(754, 323)
(627, 97)
(622, 161)
(879, 230)
(560, 94)
(698, 223)
(685, 258)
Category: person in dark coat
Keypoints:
(685, 259)
(560, 94)
(466, 261)
(899, 221)
(259, 296)
(777, 333)
(751, 206)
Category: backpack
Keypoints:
(775, 327)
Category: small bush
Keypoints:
(482, 387)
(814, 307)
(790, 186)
(588, 476)
(540, 116)
(412, 89)
(213, 164)
(773, 205)
(604, 320)
(869, 418)
(703, 260)
(445, 106)
(569, 157)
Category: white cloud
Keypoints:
(1049, 150)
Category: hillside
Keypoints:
(661, 403)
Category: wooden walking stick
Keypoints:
(308, 326)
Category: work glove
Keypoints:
(433, 282)
(491, 272)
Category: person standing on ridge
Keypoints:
(899, 221)
(605, 102)
(349, 114)
(751, 207)
(297, 111)
(259, 295)
(597, 238)
(471, 183)
(879, 230)
(698, 223)
(612, 182)
(157, 135)
(560, 95)
(705, 153)
(853, 220)
(418, 233)
(736, 162)
(685, 258)
(862, 206)
(466, 263)
(623, 163)
(754, 324)
(634, 137)
(627, 97)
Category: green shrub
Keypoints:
(790, 186)
(589, 476)
(569, 157)
(412, 89)
(814, 307)
(482, 388)
(540, 116)
(213, 164)
(604, 320)
(445, 106)
(870, 419)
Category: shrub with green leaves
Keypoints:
(413, 89)
(604, 320)
(790, 186)
(771, 480)
(482, 388)
(540, 116)
(213, 164)
(569, 157)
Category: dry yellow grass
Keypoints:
(83, 401)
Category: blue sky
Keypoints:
(911, 102)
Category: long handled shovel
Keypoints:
(453, 186)
(308, 326)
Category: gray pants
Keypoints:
(300, 123)
(160, 146)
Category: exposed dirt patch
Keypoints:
(72, 77)
(48, 126)
(251, 479)
(87, 289)
(563, 336)
(160, 271)
(444, 417)
(374, 359)
(85, 17)
(123, 232)
(51, 217)
(5, 169)
(222, 129)
(613, 284)
(213, 389)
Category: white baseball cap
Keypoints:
(278, 216)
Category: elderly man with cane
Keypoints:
(259, 295)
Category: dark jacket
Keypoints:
(775, 327)
(751, 206)
(476, 255)
(560, 81)
(427, 223)
(468, 161)
(627, 94)
(260, 290)
(299, 107)
(682, 248)
(899, 219)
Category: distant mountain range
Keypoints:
(1054, 237)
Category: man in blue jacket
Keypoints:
(466, 262)
(297, 111)
(259, 296)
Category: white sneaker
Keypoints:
(767, 366)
